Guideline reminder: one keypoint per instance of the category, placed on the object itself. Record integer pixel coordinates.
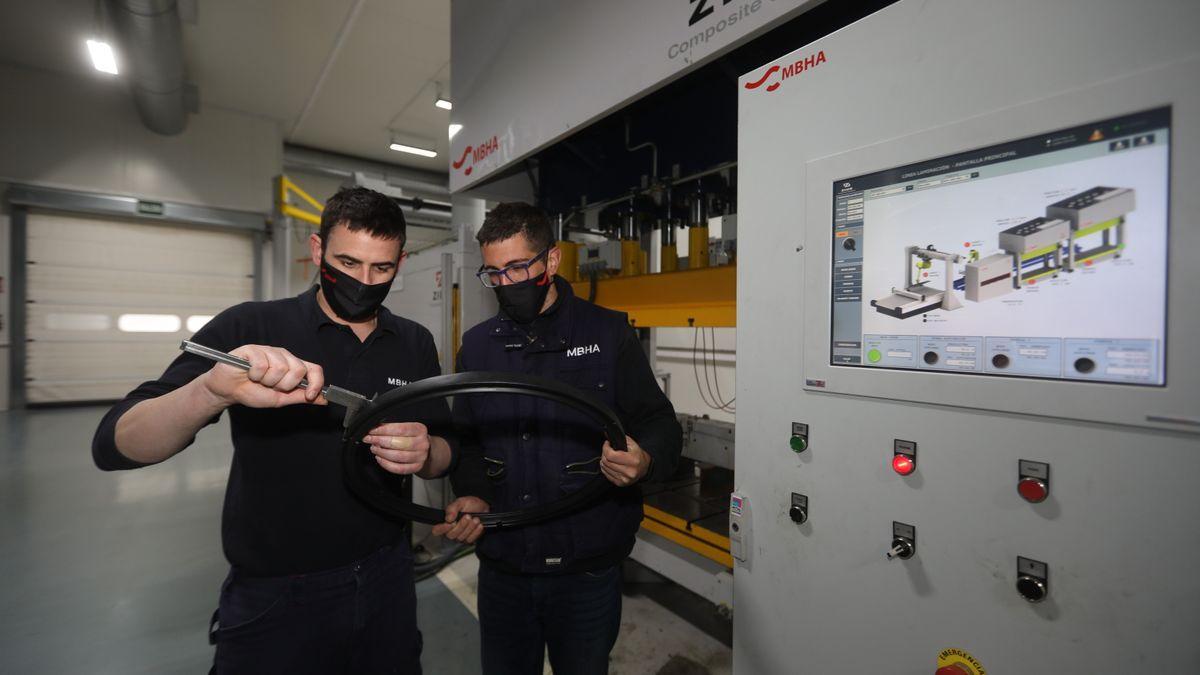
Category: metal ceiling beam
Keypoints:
(322, 162)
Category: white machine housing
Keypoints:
(988, 277)
(918, 80)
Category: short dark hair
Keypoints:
(360, 208)
(512, 218)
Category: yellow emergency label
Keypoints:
(961, 658)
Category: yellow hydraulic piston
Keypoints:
(697, 247)
(631, 258)
(568, 266)
(670, 258)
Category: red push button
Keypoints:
(903, 464)
(953, 669)
(1033, 490)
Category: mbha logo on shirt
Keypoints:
(580, 351)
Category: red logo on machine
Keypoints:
(477, 153)
(788, 71)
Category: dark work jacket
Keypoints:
(517, 451)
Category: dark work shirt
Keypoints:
(287, 509)
(515, 451)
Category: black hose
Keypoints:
(592, 286)
(363, 474)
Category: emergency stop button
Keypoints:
(904, 456)
(1033, 481)
(903, 464)
(953, 669)
(1033, 490)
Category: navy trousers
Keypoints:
(361, 618)
(576, 617)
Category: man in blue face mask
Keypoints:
(556, 586)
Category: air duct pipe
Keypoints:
(151, 40)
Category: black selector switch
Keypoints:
(1000, 361)
(1085, 365)
(799, 510)
(849, 244)
(1032, 579)
(904, 541)
(931, 358)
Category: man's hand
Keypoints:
(270, 382)
(400, 447)
(468, 529)
(624, 468)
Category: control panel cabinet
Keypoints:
(977, 222)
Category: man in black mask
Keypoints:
(554, 586)
(319, 582)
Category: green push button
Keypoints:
(874, 355)
(798, 443)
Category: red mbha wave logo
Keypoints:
(785, 72)
(477, 154)
(458, 165)
(759, 82)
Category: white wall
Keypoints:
(84, 134)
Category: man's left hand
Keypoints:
(399, 447)
(624, 468)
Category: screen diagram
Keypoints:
(1043, 257)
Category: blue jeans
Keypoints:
(575, 616)
(361, 618)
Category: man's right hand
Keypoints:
(270, 382)
(467, 529)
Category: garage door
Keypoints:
(109, 301)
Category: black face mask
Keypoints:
(349, 298)
(523, 301)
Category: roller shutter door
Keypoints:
(109, 300)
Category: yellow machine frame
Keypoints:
(705, 297)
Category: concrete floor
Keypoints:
(119, 572)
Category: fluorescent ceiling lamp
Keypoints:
(102, 56)
(400, 147)
(443, 103)
(149, 323)
(454, 129)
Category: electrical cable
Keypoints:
(727, 405)
(368, 480)
(707, 381)
(720, 398)
(696, 371)
(712, 400)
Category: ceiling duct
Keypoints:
(151, 40)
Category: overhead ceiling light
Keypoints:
(102, 56)
(443, 103)
(454, 129)
(400, 147)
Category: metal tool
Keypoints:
(350, 400)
